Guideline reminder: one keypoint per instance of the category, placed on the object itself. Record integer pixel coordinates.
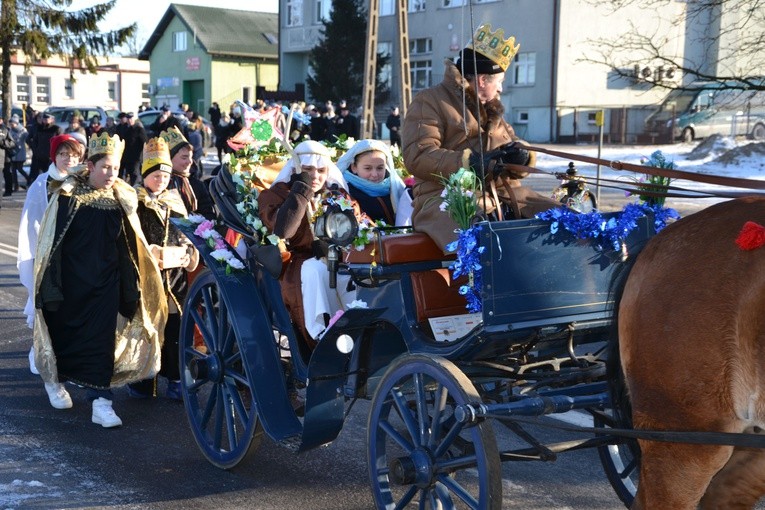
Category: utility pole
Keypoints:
(370, 64)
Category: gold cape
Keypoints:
(137, 345)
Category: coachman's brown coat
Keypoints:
(438, 143)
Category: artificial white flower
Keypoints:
(196, 218)
(235, 263)
(357, 303)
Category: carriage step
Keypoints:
(292, 443)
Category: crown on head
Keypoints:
(156, 155)
(173, 137)
(493, 45)
(105, 144)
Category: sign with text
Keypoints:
(192, 64)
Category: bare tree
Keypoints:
(42, 28)
(718, 41)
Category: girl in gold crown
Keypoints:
(195, 196)
(99, 313)
(174, 253)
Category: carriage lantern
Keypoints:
(338, 228)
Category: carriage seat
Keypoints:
(436, 293)
(399, 249)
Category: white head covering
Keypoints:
(312, 153)
(397, 185)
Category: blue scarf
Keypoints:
(373, 189)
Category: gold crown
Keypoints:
(156, 152)
(494, 46)
(173, 137)
(105, 144)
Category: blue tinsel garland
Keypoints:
(606, 233)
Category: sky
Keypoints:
(147, 13)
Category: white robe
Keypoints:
(29, 229)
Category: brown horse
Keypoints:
(692, 344)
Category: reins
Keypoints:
(742, 439)
(641, 188)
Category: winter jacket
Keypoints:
(437, 141)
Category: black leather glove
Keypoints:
(515, 154)
(320, 248)
(303, 177)
(491, 160)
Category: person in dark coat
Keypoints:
(40, 144)
(134, 136)
(393, 123)
(346, 124)
(165, 121)
(7, 147)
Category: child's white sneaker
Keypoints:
(104, 415)
(58, 396)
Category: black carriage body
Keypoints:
(542, 292)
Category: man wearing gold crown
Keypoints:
(438, 139)
(98, 293)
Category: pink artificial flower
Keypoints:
(409, 181)
(204, 227)
(220, 244)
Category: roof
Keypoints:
(223, 32)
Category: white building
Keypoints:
(120, 83)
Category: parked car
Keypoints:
(709, 108)
(63, 114)
(15, 110)
(147, 118)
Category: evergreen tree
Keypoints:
(337, 63)
(43, 28)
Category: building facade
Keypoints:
(553, 89)
(120, 83)
(201, 55)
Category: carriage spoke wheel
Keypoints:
(215, 381)
(621, 462)
(419, 456)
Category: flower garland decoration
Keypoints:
(459, 200)
(220, 252)
(244, 166)
(607, 233)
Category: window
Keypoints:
(42, 90)
(591, 118)
(112, 90)
(453, 3)
(145, 93)
(420, 46)
(179, 41)
(246, 94)
(22, 89)
(387, 7)
(416, 5)
(524, 69)
(323, 10)
(386, 73)
(294, 13)
(68, 89)
(421, 74)
(523, 117)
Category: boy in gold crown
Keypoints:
(173, 252)
(99, 314)
(438, 139)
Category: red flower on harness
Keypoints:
(752, 236)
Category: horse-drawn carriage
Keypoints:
(434, 373)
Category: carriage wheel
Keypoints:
(418, 454)
(621, 462)
(215, 382)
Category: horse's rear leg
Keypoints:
(675, 476)
(741, 482)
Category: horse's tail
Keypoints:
(620, 402)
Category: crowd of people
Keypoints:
(106, 270)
